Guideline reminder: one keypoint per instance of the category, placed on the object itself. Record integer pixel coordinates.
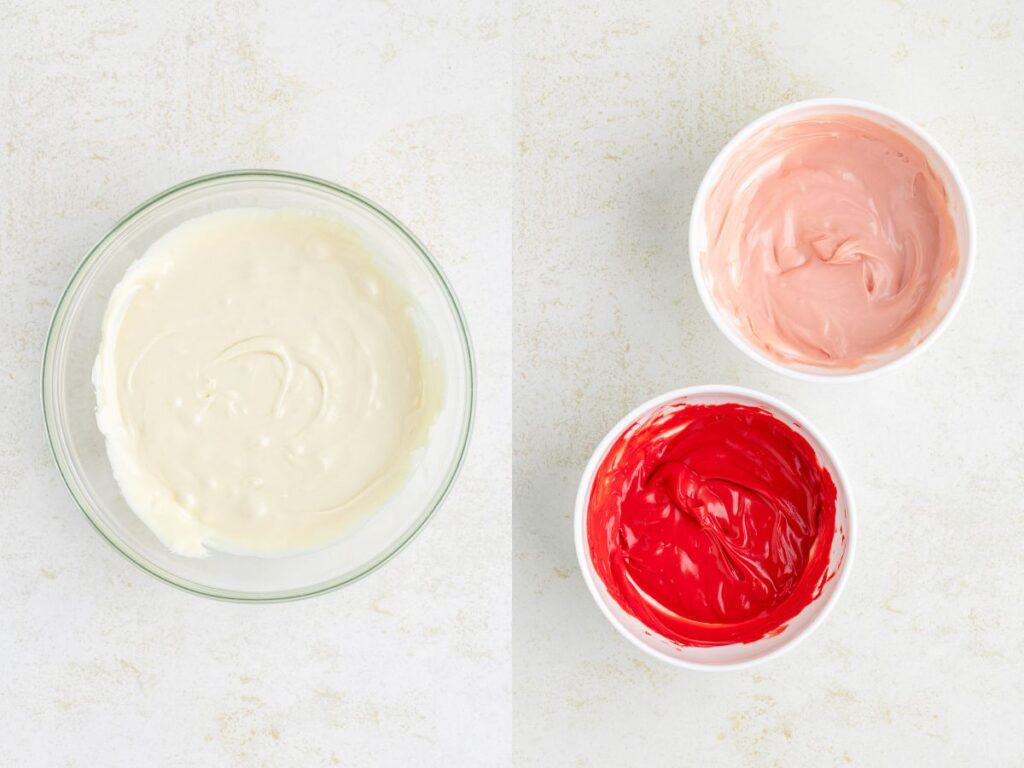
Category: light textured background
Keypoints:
(548, 156)
(921, 662)
(106, 104)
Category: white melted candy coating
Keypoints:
(260, 383)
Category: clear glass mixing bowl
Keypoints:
(69, 403)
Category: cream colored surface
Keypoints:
(569, 139)
(260, 383)
(625, 105)
(113, 102)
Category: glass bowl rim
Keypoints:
(430, 508)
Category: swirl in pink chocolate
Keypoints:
(712, 524)
(830, 241)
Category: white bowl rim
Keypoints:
(714, 171)
(725, 390)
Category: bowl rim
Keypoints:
(725, 390)
(53, 435)
(714, 171)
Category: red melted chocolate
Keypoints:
(712, 524)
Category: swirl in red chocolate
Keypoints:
(712, 524)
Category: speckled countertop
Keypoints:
(548, 157)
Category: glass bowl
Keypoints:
(69, 401)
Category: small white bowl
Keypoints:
(960, 210)
(737, 655)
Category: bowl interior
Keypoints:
(959, 207)
(79, 448)
(725, 656)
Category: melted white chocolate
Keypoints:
(260, 383)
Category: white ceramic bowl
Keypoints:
(737, 655)
(960, 210)
(69, 401)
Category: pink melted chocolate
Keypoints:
(830, 241)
